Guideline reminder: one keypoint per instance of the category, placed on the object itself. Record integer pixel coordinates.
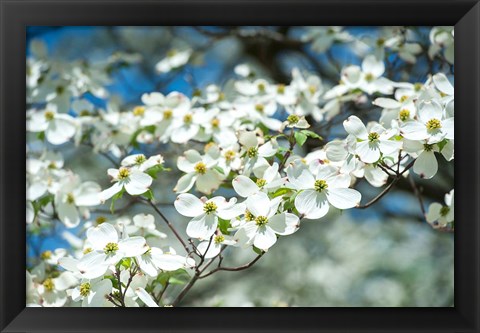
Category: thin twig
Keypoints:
(234, 269)
(388, 188)
(417, 193)
(170, 225)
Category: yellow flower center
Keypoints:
(281, 89)
(229, 155)
(260, 108)
(208, 146)
(433, 124)
(293, 119)
(261, 182)
(87, 250)
(46, 255)
(252, 152)
(84, 113)
(249, 216)
(215, 122)
(428, 147)
(373, 136)
(139, 111)
(70, 199)
(444, 210)
(417, 86)
(210, 207)
(200, 168)
(140, 159)
(187, 119)
(111, 248)
(261, 87)
(312, 89)
(101, 219)
(171, 53)
(403, 99)
(320, 185)
(380, 42)
(49, 115)
(219, 239)
(261, 220)
(85, 289)
(369, 77)
(123, 173)
(404, 115)
(48, 284)
(167, 114)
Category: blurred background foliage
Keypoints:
(386, 255)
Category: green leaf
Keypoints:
(153, 171)
(42, 202)
(280, 191)
(41, 136)
(257, 250)
(300, 138)
(180, 276)
(133, 138)
(442, 144)
(149, 194)
(126, 262)
(219, 169)
(223, 225)
(311, 134)
(117, 196)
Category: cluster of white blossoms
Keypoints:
(246, 139)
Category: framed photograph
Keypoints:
(239, 166)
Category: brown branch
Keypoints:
(388, 188)
(170, 225)
(234, 269)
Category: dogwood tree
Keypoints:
(254, 156)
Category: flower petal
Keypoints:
(202, 226)
(426, 165)
(244, 186)
(265, 238)
(353, 125)
(343, 198)
(284, 223)
(101, 235)
(312, 204)
(189, 205)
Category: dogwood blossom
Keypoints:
(206, 213)
(319, 191)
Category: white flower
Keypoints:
(58, 127)
(92, 293)
(256, 152)
(175, 59)
(322, 38)
(206, 213)
(431, 125)
(134, 181)
(107, 250)
(442, 38)
(212, 249)
(72, 198)
(294, 121)
(154, 259)
(264, 223)
(269, 181)
(319, 191)
(200, 171)
(141, 163)
(146, 297)
(371, 144)
(440, 215)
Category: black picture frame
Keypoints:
(16, 15)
